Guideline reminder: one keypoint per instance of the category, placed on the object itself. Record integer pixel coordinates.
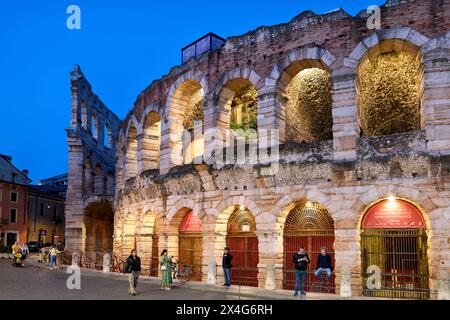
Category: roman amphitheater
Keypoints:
(362, 118)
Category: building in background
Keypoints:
(14, 185)
(46, 210)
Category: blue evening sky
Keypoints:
(122, 46)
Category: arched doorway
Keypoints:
(394, 239)
(190, 243)
(310, 225)
(99, 228)
(243, 244)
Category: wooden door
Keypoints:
(190, 253)
(155, 256)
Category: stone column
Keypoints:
(270, 267)
(443, 285)
(271, 111)
(348, 262)
(140, 153)
(436, 99)
(346, 130)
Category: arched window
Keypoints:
(308, 109)
(389, 90)
(151, 144)
(131, 153)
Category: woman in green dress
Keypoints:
(166, 270)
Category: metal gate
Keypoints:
(309, 225)
(243, 244)
(401, 254)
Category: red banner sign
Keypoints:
(393, 214)
(190, 223)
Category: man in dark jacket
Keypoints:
(133, 269)
(301, 261)
(324, 264)
(226, 264)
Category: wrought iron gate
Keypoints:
(401, 254)
(309, 225)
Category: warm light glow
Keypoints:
(309, 205)
(242, 208)
(392, 199)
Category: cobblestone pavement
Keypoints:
(38, 283)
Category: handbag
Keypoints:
(163, 267)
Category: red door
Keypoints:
(312, 244)
(245, 260)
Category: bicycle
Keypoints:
(181, 271)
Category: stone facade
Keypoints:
(346, 175)
(91, 163)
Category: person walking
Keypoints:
(25, 252)
(324, 264)
(60, 247)
(227, 265)
(53, 257)
(133, 269)
(166, 270)
(301, 261)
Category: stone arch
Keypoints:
(149, 149)
(131, 147)
(399, 39)
(399, 89)
(311, 225)
(287, 69)
(281, 209)
(236, 201)
(220, 217)
(228, 87)
(179, 207)
(420, 200)
(414, 196)
(190, 88)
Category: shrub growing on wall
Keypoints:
(389, 94)
(308, 110)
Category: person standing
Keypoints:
(53, 257)
(301, 261)
(324, 264)
(227, 265)
(133, 269)
(60, 248)
(166, 270)
(25, 252)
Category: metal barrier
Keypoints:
(313, 283)
(94, 261)
(396, 286)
